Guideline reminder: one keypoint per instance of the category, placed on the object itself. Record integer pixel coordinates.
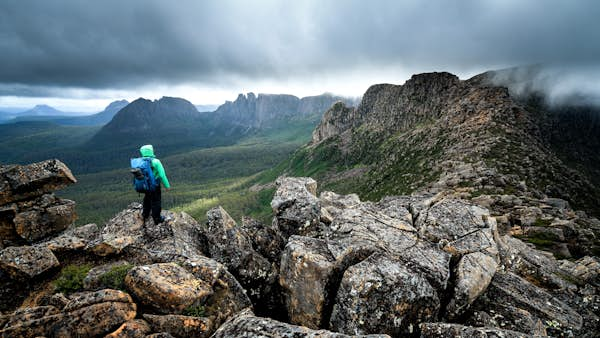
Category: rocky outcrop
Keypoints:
(390, 266)
(29, 211)
(433, 265)
(127, 235)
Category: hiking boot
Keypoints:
(161, 220)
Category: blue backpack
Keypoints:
(143, 177)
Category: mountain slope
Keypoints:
(468, 138)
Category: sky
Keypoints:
(80, 55)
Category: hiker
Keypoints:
(149, 181)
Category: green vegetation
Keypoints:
(201, 178)
(115, 277)
(71, 278)
(195, 311)
(542, 222)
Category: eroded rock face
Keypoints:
(247, 325)
(166, 287)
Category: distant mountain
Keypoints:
(42, 110)
(97, 119)
(267, 110)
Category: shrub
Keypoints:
(195, 311)
(115, 277)
(71, 278)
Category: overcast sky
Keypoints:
(80, 55)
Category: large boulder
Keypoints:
(21, 182)
(508, 288)
(72, 239)
(85, 315)
(296, 207)
(43, 216)
(232, 246)
(307, 266)
(227, 298)
(127, 235)
(166, 287)
(451, 219)
(247, 325)
(473, 275)
(26, 262)
(380, 294)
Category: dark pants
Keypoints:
(152, 202)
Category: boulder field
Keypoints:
(328, 265)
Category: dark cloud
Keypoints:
(122, 44)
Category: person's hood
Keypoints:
(147, 150)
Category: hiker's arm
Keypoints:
(161, 174)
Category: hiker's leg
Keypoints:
(146, 205)
(156, 208)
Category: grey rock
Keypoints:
(307, 266)
(231, 245)
(228, 297)
(181, 326)
(508, 288)
(26, 262)
(246, 325)
(50, 215)
(451, 220)
(295, 206)
(380, 294)
(167, 287)
(444, 330)
(126, 235)
(20, 182)
(473, 275)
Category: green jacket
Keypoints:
(157, 167)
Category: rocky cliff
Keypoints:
(471, 139)
(264, 110)
(329, 265)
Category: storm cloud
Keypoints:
(122, 45)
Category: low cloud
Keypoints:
(115, 45)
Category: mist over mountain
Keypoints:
(558, 86)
